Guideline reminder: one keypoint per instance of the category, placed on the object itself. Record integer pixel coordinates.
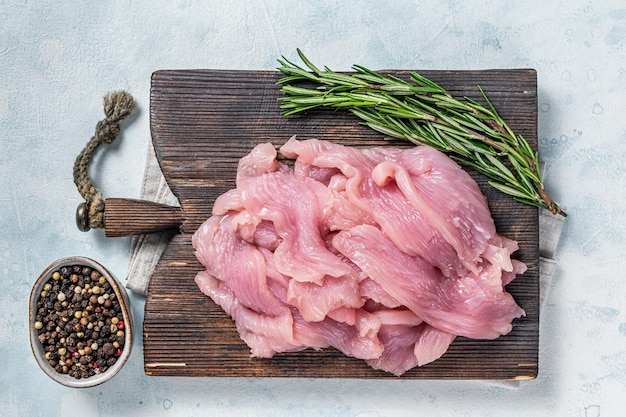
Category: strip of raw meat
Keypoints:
(237, 263)
(432, 344)
(409, 346)
(399, 355)
(265, 335)
(467, 306)
(332, 294)
(397, 317)
(229, 201)
(372, 290)
(344, 337)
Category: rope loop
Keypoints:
(117, 106)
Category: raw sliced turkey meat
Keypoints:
(384, 254)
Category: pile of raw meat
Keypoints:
(385, 254)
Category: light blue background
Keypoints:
(57, 59)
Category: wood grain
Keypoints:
(127, 217)
(202, 122)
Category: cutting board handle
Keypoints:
(127, 217)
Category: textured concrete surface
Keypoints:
(57, 59)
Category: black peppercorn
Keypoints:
(108, 349)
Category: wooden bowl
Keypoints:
(38, 348)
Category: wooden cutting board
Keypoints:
(202, 122)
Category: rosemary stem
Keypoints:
(423, 113)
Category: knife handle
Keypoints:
(127, 217)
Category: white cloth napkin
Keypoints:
(146, 250)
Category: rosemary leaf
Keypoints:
(508, 190)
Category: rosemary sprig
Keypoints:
(423, 113)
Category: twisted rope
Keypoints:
(117, 106)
